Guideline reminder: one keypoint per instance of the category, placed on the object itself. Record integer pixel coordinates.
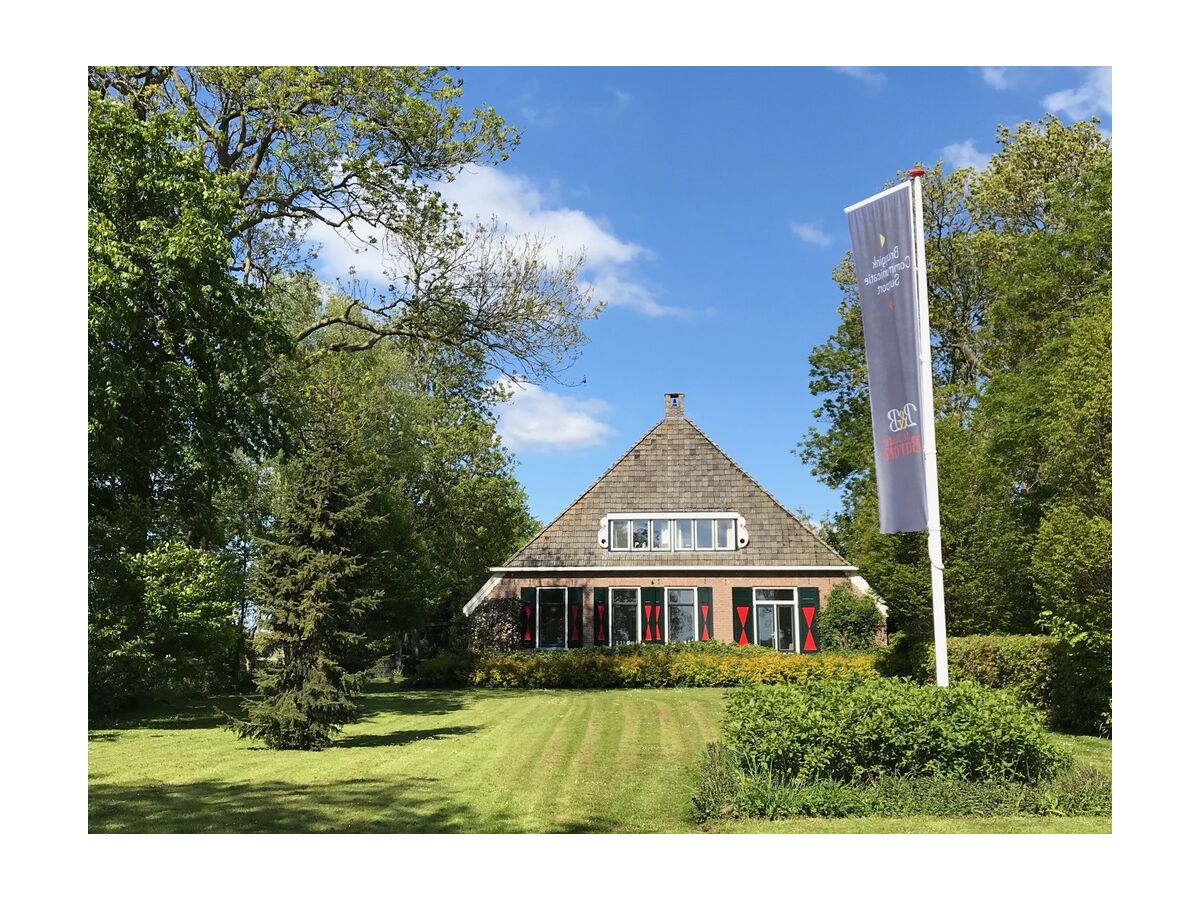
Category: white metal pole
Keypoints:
(928, 438)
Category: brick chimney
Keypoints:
(673, 405)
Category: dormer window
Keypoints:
(680, 532)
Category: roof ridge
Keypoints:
(566, 509)
(773, 498)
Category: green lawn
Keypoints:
(453, 761)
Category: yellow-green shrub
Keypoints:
(678, 665)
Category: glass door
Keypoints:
(775, 618)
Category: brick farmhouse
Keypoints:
(675, 542)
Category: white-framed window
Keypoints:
(641, 533)
(776, 618)
(681, 615)
(679, 533)
(620, 537)
(625, 604)
(552, 618)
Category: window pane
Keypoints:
(786, 617)
(624, 623)
(724, 534)
(641, 534)
(620, 535)
(552, 617)
(683, 534)
(774, 595)
(662, 534)
(704, 534)
(681, 595)
(765, 618)
(625, 595)
(682, 623)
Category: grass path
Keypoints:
(452, 761)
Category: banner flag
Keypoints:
(881, 238)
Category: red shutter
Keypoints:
(575, 617)
(528, 617)
(652, 615)
(705, 602)
(743, 616)
(600, 616)
(810, 604)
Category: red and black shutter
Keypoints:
(743, 615)
(652, 615)
(575, 617)
(704, 602)
(600, 616)
(810, 603)
(528, 617)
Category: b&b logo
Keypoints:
(899, 419)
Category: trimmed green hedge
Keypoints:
(859, 730)
(639, 665)
(1072, 687)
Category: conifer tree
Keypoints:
(312, 588)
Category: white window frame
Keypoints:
(695, 611)
(691, 523)
(794, 603)
(537, 634)
(637, 611)
(738, 531)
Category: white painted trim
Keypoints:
(604, 533)
(699, 567)
(678, 514)
(866, 590)
(899, 187)
(481, 594)
(695, 611)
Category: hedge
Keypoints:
(1073, 688)
(639, 665)
(859, 730)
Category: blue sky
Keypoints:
(709, 202)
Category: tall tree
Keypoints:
(1020, 312)
(360, 151)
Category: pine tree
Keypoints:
(313, 592)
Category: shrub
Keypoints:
(640, 665)
(856, 730)
(1071, 685)
(850, 621)
(725, 792)
(496, 625)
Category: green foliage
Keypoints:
(639, 665)
(179, 357)
(1070, 684)
(1019, 269)
(725, 792)
(856, 730)
(850, 621)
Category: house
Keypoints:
(675, 542)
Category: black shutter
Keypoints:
(575, 617)
(600, 635)
(528, 617)
(652, 615)
(743, 615)
(810, 604)
(704, 601)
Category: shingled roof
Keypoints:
(676, 468)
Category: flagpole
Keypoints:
(928, 438)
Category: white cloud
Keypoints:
(1093, 97)
(964, 154)
(811, 234)
(521, 208)
(865, 74)
(997, 77)
(537, 419)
